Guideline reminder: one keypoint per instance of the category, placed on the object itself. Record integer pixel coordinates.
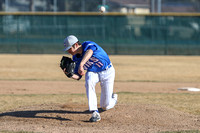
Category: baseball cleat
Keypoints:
(95, 117)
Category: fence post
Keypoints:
(18, 36)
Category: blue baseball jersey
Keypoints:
(98, 62)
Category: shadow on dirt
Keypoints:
(33, 113)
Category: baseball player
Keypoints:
(91, 57)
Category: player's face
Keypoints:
(72, 50)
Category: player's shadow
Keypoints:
(33, 114)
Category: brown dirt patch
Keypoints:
(73, 117)
(60, 87)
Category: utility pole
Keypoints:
(55, 5)
(31, 6)
(6, 5)
(159, 6)
(156, 6)
(152, 6)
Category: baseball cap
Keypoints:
(69, 41)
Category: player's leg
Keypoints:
(91, 79)
(107, 83)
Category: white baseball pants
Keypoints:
(106, 79)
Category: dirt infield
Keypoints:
(62, 87)
(35, 96)
(73, 117)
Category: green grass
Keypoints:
(128, 68)
(9, 102)
(185, 102)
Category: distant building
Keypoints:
(147, 6)
(32, 5)
(187, 6)
(124, 6)
(130, 6)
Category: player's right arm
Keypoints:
(86, 57)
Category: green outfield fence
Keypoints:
(152, 34)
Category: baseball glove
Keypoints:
(69, 65)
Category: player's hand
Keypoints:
(81, 71)
(64, 70)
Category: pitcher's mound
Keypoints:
(74, 118)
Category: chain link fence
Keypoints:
(154, 34)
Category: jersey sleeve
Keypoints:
(92, 47)
(89, 45)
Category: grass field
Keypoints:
(128, 68)
(156, 69)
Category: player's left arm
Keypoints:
(85, 58)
